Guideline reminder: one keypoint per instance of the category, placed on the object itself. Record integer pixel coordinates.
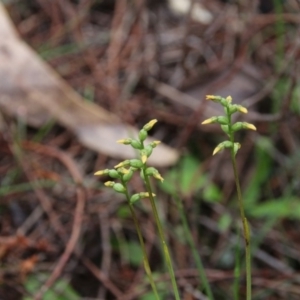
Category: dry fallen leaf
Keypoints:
(30, 89)
(240, 85)
(27, 265)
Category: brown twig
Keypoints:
(77, 177)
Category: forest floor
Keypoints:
(64, 235)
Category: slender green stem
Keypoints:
(140, 236)
(161, 236)
(195, 253)
(246, 231)
(237, 268)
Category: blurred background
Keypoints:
(93, 68)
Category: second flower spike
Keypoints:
(226, 122)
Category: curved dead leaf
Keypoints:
(30, 89)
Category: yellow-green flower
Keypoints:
(99, 173)
(123, 170)
(229, 99)
(209, 121)
(146, 195)
(158, 176)
(242, 109)
(149, 125)
(218, 148)
(249, 126)
(221, 146)
(155, 143)
(143, 158)
(124, 141)
(122, 164)
(210, 97)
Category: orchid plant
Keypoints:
(230, 128)
(123, 172)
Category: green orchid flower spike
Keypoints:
(226, 122)
(230, 128)
(123, 172)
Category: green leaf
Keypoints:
(186, 178)
(224, 222)
(261, 174)
(134, 254)
(162, 288)
(278, 208)
(211, 193)
(149, 296)
(62, 290)
(123, 212)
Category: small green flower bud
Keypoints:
(146, 195)
(158, 177)
(242, 109)
(118, 187)
(136, 144)
(249, 126)
(218, 148)
(224, 103)
(154, 143)
(235, 107)
(114, 174)
(232, 109)
(139, 196)
(122, 171)
(221, 146)
(101, 172)
(242, 125)
(225, 128)
(236, 147)
(218, 99)
(143, 156)
(237, 126)
(143, 135)
(109, 183)
(153, 172)
(209, 121)
(123, 164)
(149, 125)
(136, 163)
(134, 198)
(124, 141)
(213, 98)
(126, 177)
(148, 150)
(150, 171)
(229, 99)
(220, 120)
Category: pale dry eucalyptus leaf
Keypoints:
(33, 91)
